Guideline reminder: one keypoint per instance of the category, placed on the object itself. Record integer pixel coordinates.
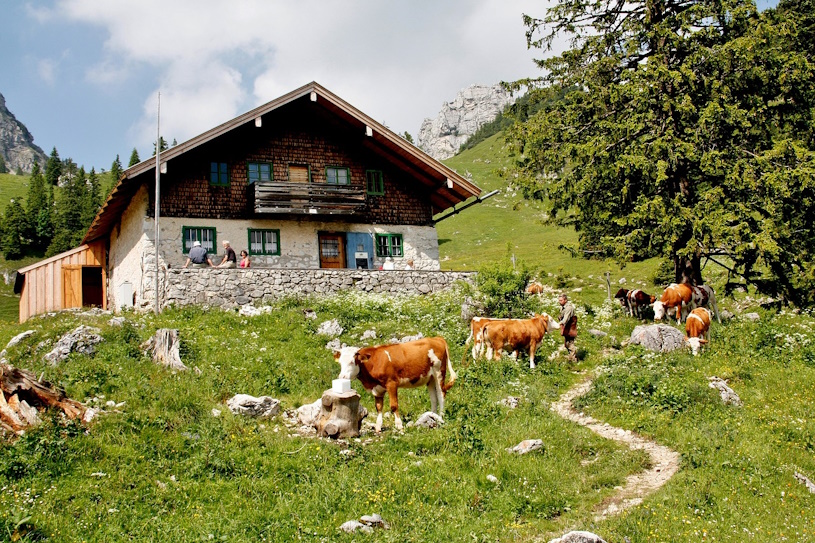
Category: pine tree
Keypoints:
(116, 170)
(134, 158)
(68, 223)
(53, 168)
(163, 143)
(92, 200)
(38, 211)
(12, 233)
(3, 168)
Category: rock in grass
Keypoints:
(244, 404)
(83, 339)
(579, 537)
(353, 525)
(660, 338)
(526, 446)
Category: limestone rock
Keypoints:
(17, 144)
(727, 394)
(579, 537)
(83, 339)
(658, 337)
(473, 107)
(526, 446)
(330, 328)
(244, 404)
(428, 419)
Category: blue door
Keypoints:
(360, 250)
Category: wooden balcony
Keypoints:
(307, 198)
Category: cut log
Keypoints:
(163, 347)
(23, 395)
(340, 414)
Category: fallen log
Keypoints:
(23, 396)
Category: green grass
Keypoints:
(11, 187)
(161, 466)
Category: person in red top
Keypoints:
(245, 259)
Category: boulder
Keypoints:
(244, 404)
(727, 394)
(658, 337)
(579, 537)
(428, 419)
(82, 339)
(526, 446)
(330, 328)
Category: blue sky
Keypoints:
(83, 75)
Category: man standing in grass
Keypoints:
(568, 326)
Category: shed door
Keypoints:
(332, 250)
(71, 286)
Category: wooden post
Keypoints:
(608, 284)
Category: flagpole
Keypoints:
(157, 206)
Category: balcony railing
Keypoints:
(308, 198)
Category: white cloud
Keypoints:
(46, 69)
(214, 59)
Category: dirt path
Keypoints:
(664, 461)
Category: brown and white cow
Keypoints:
(386, 368)
(704, 296)
(477, 325)
(534, 288)
(697, 328)
(676, 296)
(517, 334)
(634, 300)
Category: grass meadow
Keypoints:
(158, 465)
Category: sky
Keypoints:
(84, 75)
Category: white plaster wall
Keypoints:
(127, 247)
(298, 241)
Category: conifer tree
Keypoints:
(38, 211)
(12, 233)
(53, 168)
(116, 170)
(3, 168)
(92, 199)
(134, 158)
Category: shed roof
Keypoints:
(447, 188)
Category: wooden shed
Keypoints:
(75, 278)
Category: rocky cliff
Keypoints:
(16, 143)
(458, 120)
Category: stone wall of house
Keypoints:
(230, 288)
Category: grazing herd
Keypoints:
(426, 362)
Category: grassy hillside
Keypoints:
(12, 186)
(506, 224)
(159, 464)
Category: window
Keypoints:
(337, 176)
(374, 182)
(218, 174)
(264, 242)
(298, 173)
(389, 245)
(258, 171)
(204, 234)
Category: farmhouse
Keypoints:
(304, 182)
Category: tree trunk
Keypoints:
(688, 270)
(340, 415)
(23, 395)
(163, 347)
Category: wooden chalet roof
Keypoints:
(447, 188)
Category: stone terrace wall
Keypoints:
(235, 287)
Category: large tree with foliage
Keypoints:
(685, 131)
(53, 168)
(38, 210)
(134, 158)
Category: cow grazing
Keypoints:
(704, 296)
(697, 328)
(676, 296)
(534, 288)
(634, 301)
(386, 368)
(477, 325)
(517, 334)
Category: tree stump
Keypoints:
(21, 395)
(340, 415)
(163, 347)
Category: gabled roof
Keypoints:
(447, 188)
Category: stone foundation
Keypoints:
(235, 287)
